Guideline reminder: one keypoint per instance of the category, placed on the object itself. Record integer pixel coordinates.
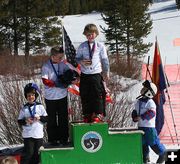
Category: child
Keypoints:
(56, 76)
(145, 115)
(94, 64)
(9, 160)
(32, 118)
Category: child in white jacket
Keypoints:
(32, 117)
(145, 115)
(94, 64)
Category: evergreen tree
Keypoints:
(61, 7)
(22, 25)
(92, 5)
(128, 23)
(99, 5)
(112, 33)
(32, 15)
(77, 6)
(52, 35)
(71, 7)
(84, 6)
(74, 7)
(9, 25)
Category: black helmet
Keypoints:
(67, 77)
(31, 88)
(151, 89)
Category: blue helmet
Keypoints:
(31, 88)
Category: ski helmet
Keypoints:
(149, 89)
(31, 88)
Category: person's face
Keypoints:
(91, 36)
(143, 90)
(31, 97)
(57, 58)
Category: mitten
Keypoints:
(134, 115)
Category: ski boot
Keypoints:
(97, 118)
(87, 118)
(162, 158)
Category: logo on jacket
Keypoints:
(91, 141)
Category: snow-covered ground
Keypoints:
(166, 23)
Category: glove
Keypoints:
(134, 116)
(67, 77)
(58, 84)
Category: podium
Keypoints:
(97, 144)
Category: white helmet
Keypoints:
(149, 89)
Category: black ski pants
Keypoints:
(92, 94)
(31, 151)
(58, 124)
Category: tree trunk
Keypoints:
(27, 38)
(15, 29)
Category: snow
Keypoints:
(166, 23)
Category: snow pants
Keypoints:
(58, 124)
(31, 151)
(92, 94)
(151, 139)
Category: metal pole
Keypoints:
(172, 112)
(148, 71)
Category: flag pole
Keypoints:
(63, 42)
(178, 70)
(172, 116)
(169, 131)
(64, 48)
(170, 105)
(147, 70)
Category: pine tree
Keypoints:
(128, 23)
(61, 7)
(9, 23)
(111, 19)
(99, 5)
(84, 6)
(74, 7)
(32, 15)
(23, 25)
(71, 7)
(92, 5)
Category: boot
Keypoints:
(162, 158)
(87, 118)
(98, 118)
(147, 160)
